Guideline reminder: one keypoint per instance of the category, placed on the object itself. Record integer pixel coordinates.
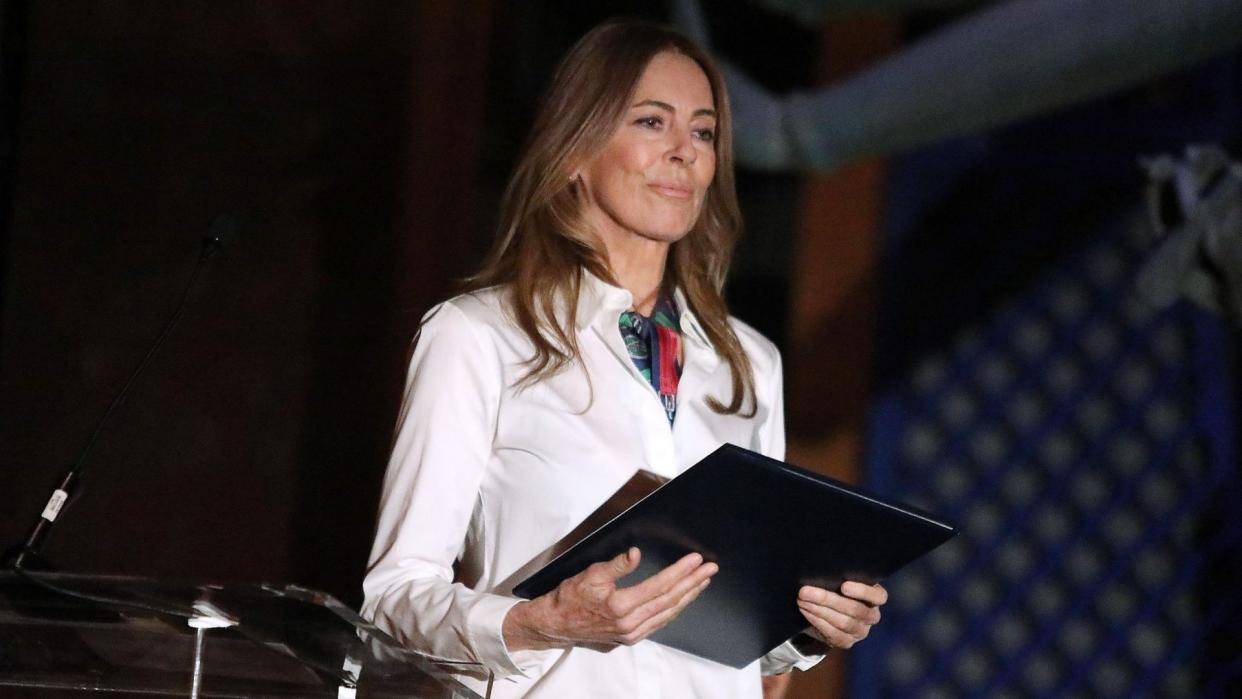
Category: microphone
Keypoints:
(22, 556)
(221, 233)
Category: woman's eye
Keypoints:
(650, 122)
(706, 135)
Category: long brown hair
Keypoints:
(543, 243)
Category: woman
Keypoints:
(594, 342)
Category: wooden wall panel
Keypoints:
(832, 307)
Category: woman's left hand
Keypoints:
(845, 618)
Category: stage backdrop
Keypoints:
(344, 140)
(1084, 440)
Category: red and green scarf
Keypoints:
(652, 345)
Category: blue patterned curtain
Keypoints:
(1085, 445)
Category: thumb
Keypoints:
(623, 564)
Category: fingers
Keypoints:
(690, 584)
(852, 625)
(590, 608)
(874, 595)
(664, 580)
(834, 636)
(846, 618)
(649, 605)
(820, 597)
(615, 569)
(661, 619)
(666, 585)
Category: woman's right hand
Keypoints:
(590, 610)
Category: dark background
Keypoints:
(340, 138)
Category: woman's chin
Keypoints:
(669, 231)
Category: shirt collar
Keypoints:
(690, 326)
(599, 300)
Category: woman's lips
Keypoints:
(674, 191)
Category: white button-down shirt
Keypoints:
(484, 476)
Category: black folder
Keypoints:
(772, 527)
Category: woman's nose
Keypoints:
(682, 147)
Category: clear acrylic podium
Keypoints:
(244, 641)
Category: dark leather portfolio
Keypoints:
(772, 527)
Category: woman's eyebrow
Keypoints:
(669, 108)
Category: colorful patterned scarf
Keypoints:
(656, 337)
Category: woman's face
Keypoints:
(651, 178)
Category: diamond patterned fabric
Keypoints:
(1084, 444)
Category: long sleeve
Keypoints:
(771, 433)
(440, 456)
(483, 477)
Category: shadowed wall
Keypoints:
(252, 448)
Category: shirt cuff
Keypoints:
(801, 652)
(485, 625)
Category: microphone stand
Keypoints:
(25, 559)
(26, 556)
